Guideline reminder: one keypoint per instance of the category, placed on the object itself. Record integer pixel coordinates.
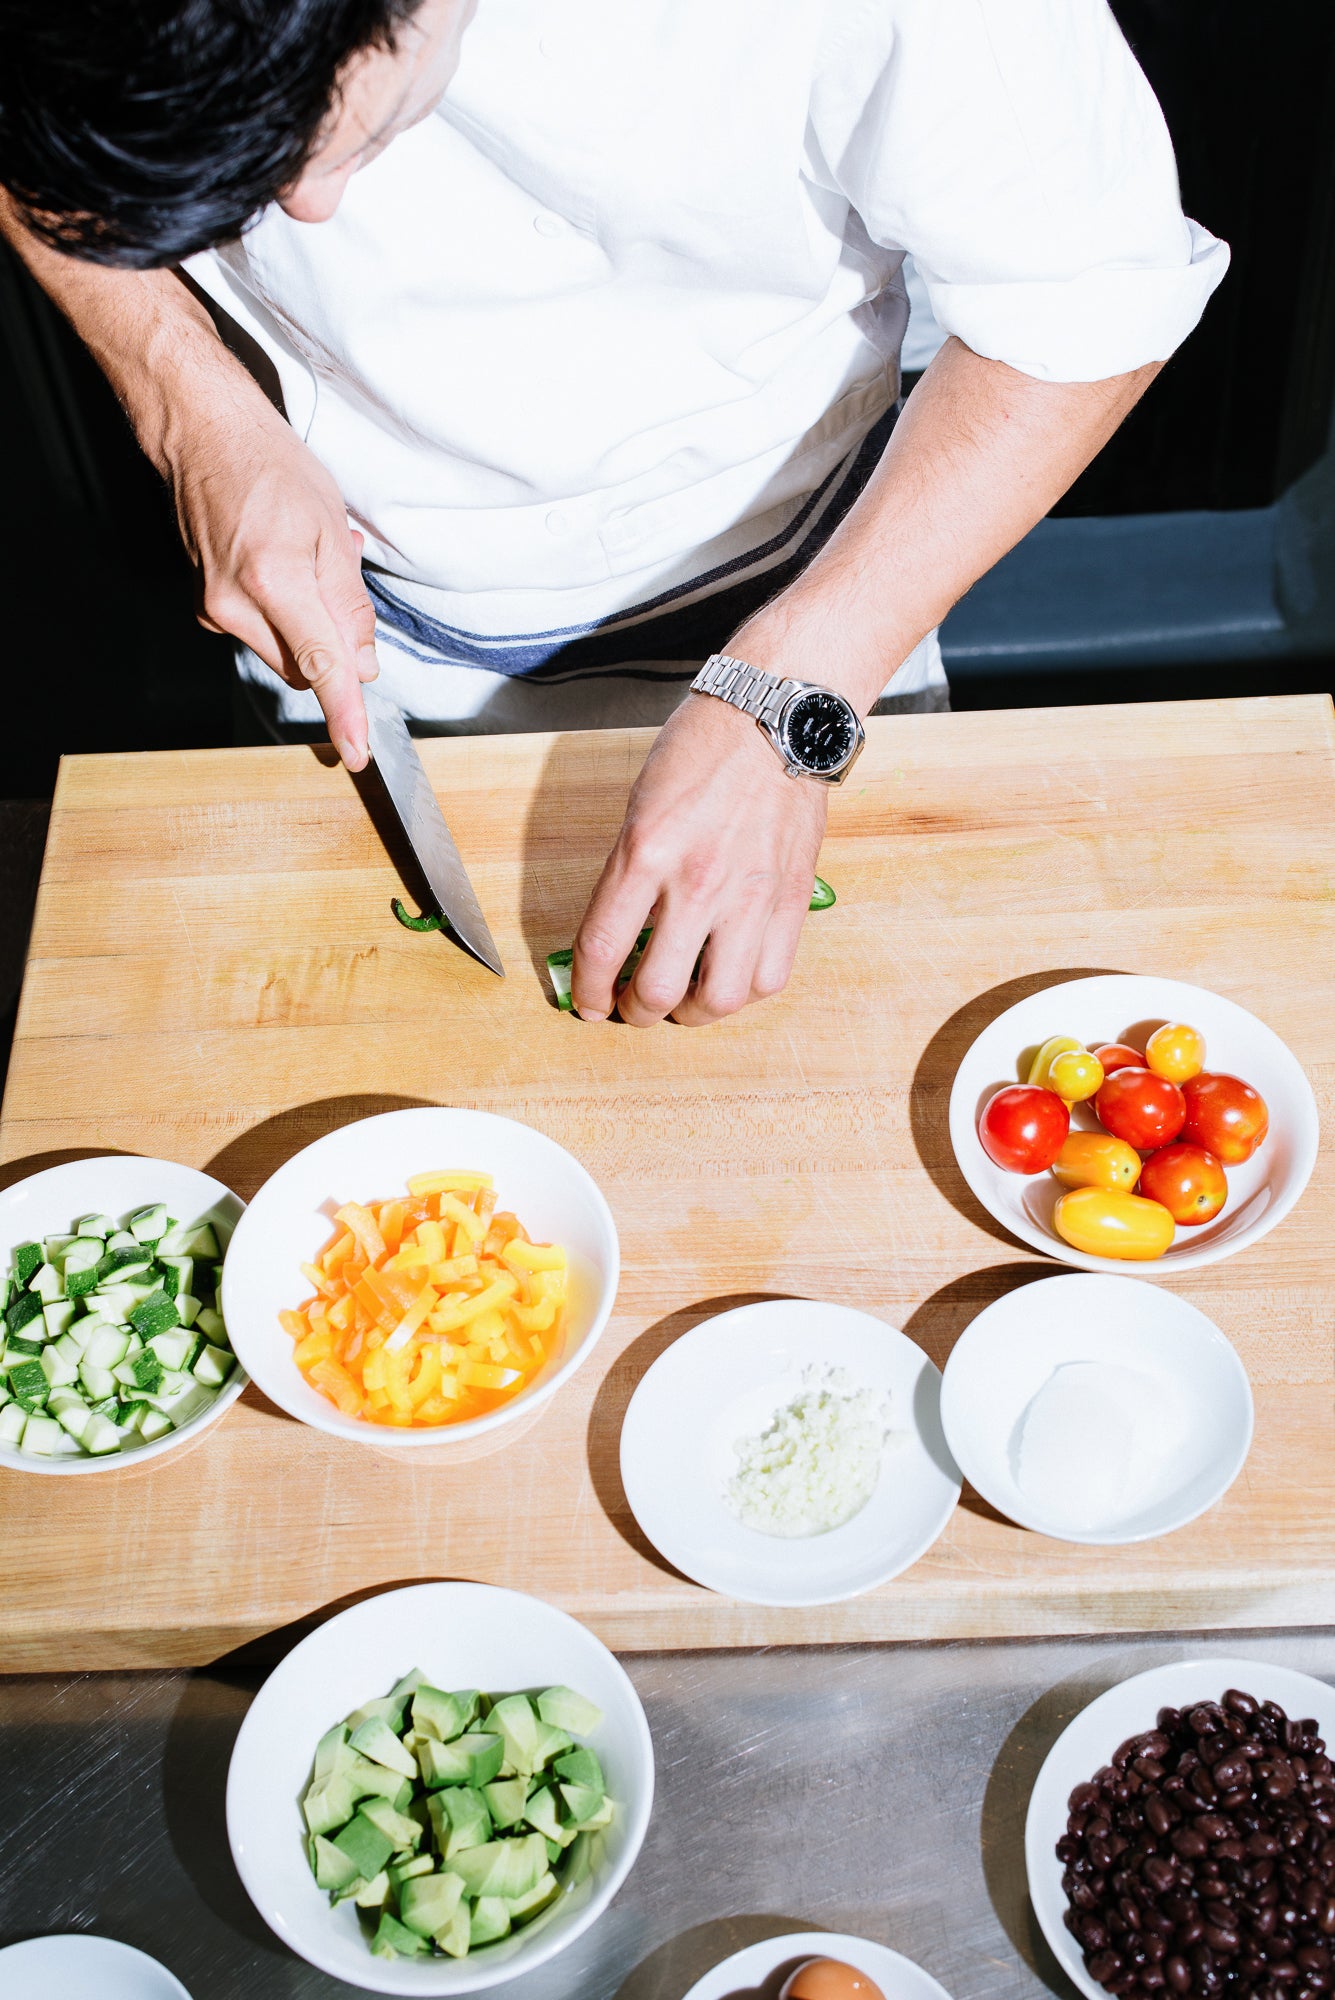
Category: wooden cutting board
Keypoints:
(215, 977)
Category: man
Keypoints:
(587, 321)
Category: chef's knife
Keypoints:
(414, 802)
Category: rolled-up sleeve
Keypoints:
(1016, 149)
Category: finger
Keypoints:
(317, 649)
(726, 980)
(339, 576)
(663, 976)
(618, 910)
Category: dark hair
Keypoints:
(133, 132)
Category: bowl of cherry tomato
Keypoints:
(1125, 1120)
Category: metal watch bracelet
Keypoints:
(743, 686)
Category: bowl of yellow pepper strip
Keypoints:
(421, 1278)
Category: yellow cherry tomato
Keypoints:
(1176, 1052)
(1105, 1222)
(1097, 1160)
(1044, 1057)
(1075, 1075)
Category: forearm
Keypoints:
(152, 339)
(979, 455)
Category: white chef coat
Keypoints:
(588, 343)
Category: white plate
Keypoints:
(78, 1967)
(1109, 1009)
(1003, 1358)
(47, 1203)
(291, 1218)
(747, 1971)
(461, 1635)
(723, 1381)
(1087, 1743)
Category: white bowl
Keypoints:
(291, 1218)
(1004, 1357)
(1260, 1192)
(1087, 1743)
(47, 1203)
(723, 1381)
(749, 1971)
(460, 1635)
(75, 1965)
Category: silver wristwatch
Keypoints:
(815, 731)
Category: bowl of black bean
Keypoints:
(1180, 1839)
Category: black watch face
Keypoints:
(818, 731)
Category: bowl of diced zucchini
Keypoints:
(115, 1348)
(440, 1789)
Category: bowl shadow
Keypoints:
(14, 1171)
(929, 1093)
(673, 1968)
(246, 1162)
(612, 1401)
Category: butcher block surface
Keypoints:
(215, 976)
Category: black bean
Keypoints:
(1239, 1703)
(1221, 1940)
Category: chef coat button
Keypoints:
(546, 46)
(557, 522)
(548, 225)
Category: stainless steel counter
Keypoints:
(879, 1790)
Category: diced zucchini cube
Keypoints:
(153, 1315)
(100, 1436)
(59, 1319)
(121, 1239)
(149, 1224)
(187, 1308)
(214, 1366)
(20, 1312)
(54, 1248)
(84, 1253)
(78, 1284)
(98, 1383)
(28, 1384)
(153, 1424)
(58, 1371)
(181, 1269)
(12, 1420)
(27, 1262)
(41, 1437)
(211, 1325)
(71, 1413)
(47, 1284)
(106, 1346)
(172, 1347)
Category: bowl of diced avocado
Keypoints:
(115, 1348)
(440, 1789)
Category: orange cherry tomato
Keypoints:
(1176, 1051)
(1097, 1160)
(1105, 1222)
(1116, 1055)
(1225, 1115)
(1075, 1075)
(1189, 1182)
(1144, 1109)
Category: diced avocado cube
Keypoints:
(488, 1921)
(101, 1226)
(154, 1315)
(503, 1867)
(329, 1804)
(581, 1767)
(153, 1424)
(408, 1871)
(364, 1845)
(506, 1799)
(459, 1819)
(375, 1739)
(438, 1714)
(100, 1436)
(581, 1802)
(149, 1224)
(28, 1384)
(454, 1939)
(551, 1743)
(564, 1709)
(396, 1826)
(213, 1366)
(427, 1902)
(395, 1940)
(12, 1420)
(524, 1908)
(27, 1262)
(331, 1752)
(516, 1722)
(59, 1372)
(59, 1318)
(601, 1816)
(373, 1895)
(331, 1867)
(22, 1311)
(187, 1307)
(42, 1436)
(377, 1781)
(584, 1853)
(543, 1813)
(470, 1760)
(554, 1850)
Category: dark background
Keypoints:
(104, 652)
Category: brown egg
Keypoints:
(828, 1979)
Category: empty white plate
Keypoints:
(724, 1381)
(76, 1966)
(1017, 1344)
(898, 1977)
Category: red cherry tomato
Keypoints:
(1225, 1115)
(1024, 1128)
(1118, 1056)
(1188, 1181)
(1140, 1107)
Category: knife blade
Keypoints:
(395, 757)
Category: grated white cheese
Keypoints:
(816, 1463)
